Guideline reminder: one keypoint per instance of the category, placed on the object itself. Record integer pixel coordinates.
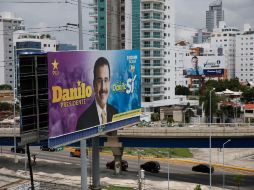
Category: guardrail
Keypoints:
(181, 132)
(9, 132)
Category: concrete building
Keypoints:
(223, 39)
(8, 24)
(244, 68)
(214, 15)
(202, 36)
(66, 47)
(182, 49)
(145, 25)
(31, 42)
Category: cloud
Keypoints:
(47, 15)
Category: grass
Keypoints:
(158, 152)
(117, 188)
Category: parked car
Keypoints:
(46, 148)
(111, 165)
(151, 166)
(19, 149)
(204, 168)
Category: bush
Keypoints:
(198, 187)
(5, 87)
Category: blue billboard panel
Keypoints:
(213, 71)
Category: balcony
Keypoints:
(155, 18)
(151, 75)
(93, 14)
(153, 83)
(93, 22)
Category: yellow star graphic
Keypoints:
(55, 64)
(79, 82)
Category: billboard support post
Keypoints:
(83, 165)
(96, 163)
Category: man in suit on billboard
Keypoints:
(99, 112)
(196, 69)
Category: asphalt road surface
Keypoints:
(179, 171)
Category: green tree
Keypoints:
(155, 116)
(206, 100)
(4, 106)
(5, 87)
(238, 180)
(248, 95)
(182, 90)
(198, 187)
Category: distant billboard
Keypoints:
(92, 88)
(204, 65)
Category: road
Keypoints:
(179, 171)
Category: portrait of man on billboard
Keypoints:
(99, 112)
(196, 69)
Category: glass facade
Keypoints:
(135, 24)
(102, 23)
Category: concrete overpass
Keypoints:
(241, 135)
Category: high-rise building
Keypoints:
(223, 39)
(8, 24)
(244, 68)
(214, 15)
(145, 25)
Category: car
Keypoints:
(75, 152)
(46, 148)
(151, 166)
(111, 165)
(204, 168)
(19, 149)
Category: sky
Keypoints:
(189, 14)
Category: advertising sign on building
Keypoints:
(204, 65)
(92, 88)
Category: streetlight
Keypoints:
(168, 169)
(210, 140)
(223, 176)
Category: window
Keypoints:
(146, 25)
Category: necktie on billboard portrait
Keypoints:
(103, 117)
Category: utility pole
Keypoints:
(82, 142)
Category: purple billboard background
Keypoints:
(74, 66)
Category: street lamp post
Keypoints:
(223, 174)
(210, 140)
(168, 170)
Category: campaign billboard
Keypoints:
(92, 88)
(204, 66)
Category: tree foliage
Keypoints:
(182, 90)
(4, 106)
(198, 187)
(155, 116)
(5, 87)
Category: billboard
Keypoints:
(92, 88)
(204, 66)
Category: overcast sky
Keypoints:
(189, 14)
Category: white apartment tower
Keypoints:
(8, 24)
(223, 38)
(147, 25)
(244, 68)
